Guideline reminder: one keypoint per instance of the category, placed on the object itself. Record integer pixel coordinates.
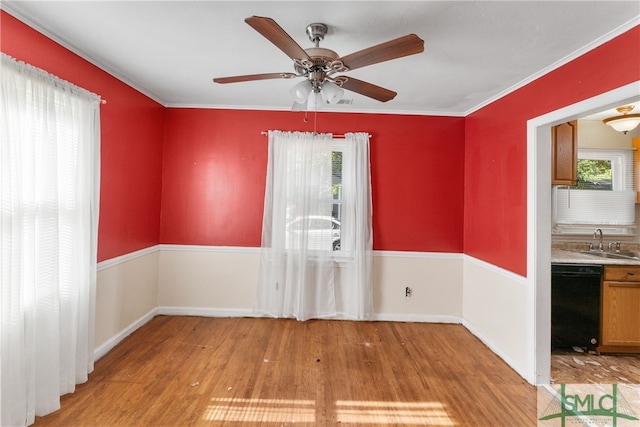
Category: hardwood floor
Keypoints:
(195, 371)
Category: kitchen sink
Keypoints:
(614, 255)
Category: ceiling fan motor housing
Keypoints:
(316, 32)
(320, 55)
(323, 61)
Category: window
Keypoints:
(49, 181)
(322, 232)
(317, 233)
(604, 196)
(320, 228)
(336, 190)
(594, 174)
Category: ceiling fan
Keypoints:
(318, 65)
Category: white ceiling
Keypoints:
(475, 51)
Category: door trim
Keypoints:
(539, 221)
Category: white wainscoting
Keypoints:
(126, 296)
(221, 282)
(212, 281)
(435, 280)
(207, 280)
(496, 310)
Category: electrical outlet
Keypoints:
(408, 292)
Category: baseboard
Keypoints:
(218, 312)
(417, 318)
(116, 339)
(205, 312)
(520, 370)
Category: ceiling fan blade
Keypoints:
(367, 89)
(250, 77)
(397, 48)
(276, 35)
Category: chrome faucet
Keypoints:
(595, 233)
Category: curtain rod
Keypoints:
(337, 135)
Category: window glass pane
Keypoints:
(594, 175)
(336, 182)
(317, 225)
(336, 188)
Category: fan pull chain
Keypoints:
(315, 122)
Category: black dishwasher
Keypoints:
(575, 305)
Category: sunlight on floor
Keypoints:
(261, 410)
(346, 411)
(420, 413)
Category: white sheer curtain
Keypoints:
(49, 187)
(299, 260)
(357, 278)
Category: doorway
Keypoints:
(539, 219)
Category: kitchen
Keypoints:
(595, 295)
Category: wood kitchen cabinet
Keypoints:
(620, 314)
(564, 154)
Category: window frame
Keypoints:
(622, 179)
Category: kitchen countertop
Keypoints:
(572, 256)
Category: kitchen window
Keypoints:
(604, 196)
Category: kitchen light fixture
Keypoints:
(626, 121)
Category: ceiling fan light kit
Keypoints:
(626, 121)
(300, 92)
(314, 103)
(331, 92)
(318, 65)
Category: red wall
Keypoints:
(495, 192)
(215, 166)
(131, 140)
(437, 181)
